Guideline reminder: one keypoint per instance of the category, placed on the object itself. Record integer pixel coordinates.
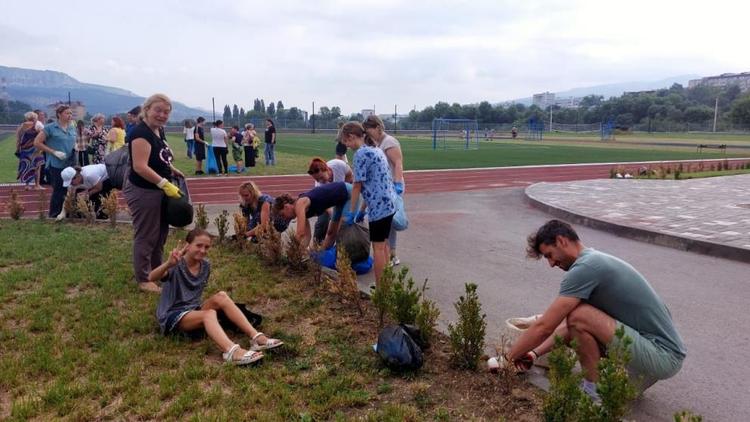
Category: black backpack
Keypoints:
(117, 163)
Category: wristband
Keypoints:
(162, 182)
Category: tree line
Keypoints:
(675, 107)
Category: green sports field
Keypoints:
(294, 151)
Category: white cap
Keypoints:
(67, 174)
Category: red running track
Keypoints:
(223, 190)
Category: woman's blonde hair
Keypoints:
(30, 116)
(150, 101)
(252, 188)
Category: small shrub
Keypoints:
(85, 209)
(314, 265)
(567, 402)
(14, 206)
(201, 217)
(222, 224)
(427, 316)
(296, 255)
(565, 397)
(240, 227)
(687, 416)
(70, 206)
(346, 286)
(42, 201)
(677, 174)
(110, 207)
(404, 299)
(467, 336)
(381, 296)
(269, 244)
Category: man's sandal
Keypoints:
(249, 357)
(271, 343)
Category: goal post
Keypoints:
(455, 134)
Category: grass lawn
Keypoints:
(295, 150)
(78, 341)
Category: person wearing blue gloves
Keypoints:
(373, 180)
(313, 203)
(375, 130)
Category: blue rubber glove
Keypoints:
(399, 187)
(360, 216)
(349, 217)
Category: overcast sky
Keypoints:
(360, 54)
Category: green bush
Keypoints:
(467, 336)
(381, 296)
(567, 402)
(404, 299)
(427, 316)
(400, 300)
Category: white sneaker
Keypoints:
(395, 261)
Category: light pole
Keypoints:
(716, 112)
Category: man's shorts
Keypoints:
(649, 362)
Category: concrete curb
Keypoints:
(662, 239)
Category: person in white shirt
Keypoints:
(93, 180)
(189, 132)
(327, 172)
(219, 143)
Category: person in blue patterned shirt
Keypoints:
(372, 178)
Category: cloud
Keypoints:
(356, 54)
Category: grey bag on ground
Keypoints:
(355, 239)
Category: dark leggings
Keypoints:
(249, 156)
(83, 158)
(221, 159)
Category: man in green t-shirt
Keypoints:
(599, 294)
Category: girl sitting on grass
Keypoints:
(183, 277)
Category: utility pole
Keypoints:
(68, 98)
(550, 118)
(716, 112)
(213, 108)
(395, 117)
(312, 117)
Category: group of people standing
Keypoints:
(244, 145)
(45, 150)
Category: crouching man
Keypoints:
(599, 294)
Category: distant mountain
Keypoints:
(40, 88)
(616, 90)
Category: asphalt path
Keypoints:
(479, 236)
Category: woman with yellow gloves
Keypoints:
(149, 179)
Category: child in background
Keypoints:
(235, 137)
(184, 276)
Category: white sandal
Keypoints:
(249, 357)
(271, 343)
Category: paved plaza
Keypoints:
(710, 215)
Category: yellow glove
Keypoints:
(169, 189)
